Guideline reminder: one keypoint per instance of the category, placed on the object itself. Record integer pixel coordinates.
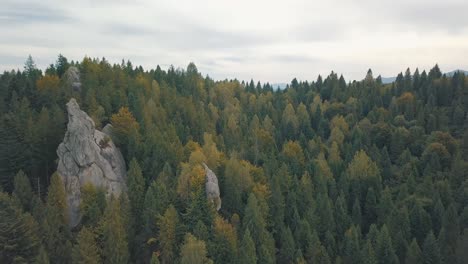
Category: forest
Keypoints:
(323, 171)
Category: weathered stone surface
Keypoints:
(212, 187)
(107, 129)
(87, 155)
(72, 75)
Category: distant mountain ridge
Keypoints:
(280, 86)
(386, 80)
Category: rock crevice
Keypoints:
(83, 160)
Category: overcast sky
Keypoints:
(271, 41)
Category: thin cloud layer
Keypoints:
(271, 41)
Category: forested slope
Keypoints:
(320, 172)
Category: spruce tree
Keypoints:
(449, 234)
(384, 249)
(431, 250)
(414, 254)
(57, 230)
(136, 191)
(115, 245)
(22, 192)
(248, 254)
(168, 234)
(19, 241)
(193, 251)
(288, 247)
(86, 249)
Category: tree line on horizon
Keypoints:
(320, 172)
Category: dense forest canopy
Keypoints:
(320, 172)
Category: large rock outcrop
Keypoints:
(87, 155)
(212, 187)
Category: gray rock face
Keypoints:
(72, 75)
(87, 155)
(212, 187)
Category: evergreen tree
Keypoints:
(370, 208)
(155, 204)
(57, 231)
(154, 259)
(193, 251)
(247, 249)
(167, 234)
(22, 192)
(115, 245)
(384, 249)
(356, 213)
(86, 249)
(414, 254)
(225, 249)
(449, 235)
(288, 247)
(19, 241)
(136, 191)
(420, 222)
(253, 220)
(351, 247)
(368, 254)
(431, 250)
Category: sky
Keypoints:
(268, 41)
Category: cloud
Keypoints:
(267, 40)
(21, 13)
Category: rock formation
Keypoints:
(72, 76)
(212, 187)
(87, 155)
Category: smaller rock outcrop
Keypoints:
(72, 76)
(87, 155)
(212, 187)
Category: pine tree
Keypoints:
(370, 209)
(93, 204)
(136, 191)
(154, 259)
(224, 247)
(431, 250)
(341, 216)
(22, 192)
(247, 249)
(115, 245)
(368, 254)
(253, 220)
(351, 247)
(414, 254)
(167, 234)
(420, 222)
(356, 213)
(288, 247)
(13, 151)
(42, 257)
(449, 234)
(19, 241)
(86, 249)
(156, 202)
(384, 249)
(193, 251)
(56, 220)
(316, 252)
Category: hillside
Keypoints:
(325, 171)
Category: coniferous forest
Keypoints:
(326, 171)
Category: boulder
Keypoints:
(87, 155)
(212, 187)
